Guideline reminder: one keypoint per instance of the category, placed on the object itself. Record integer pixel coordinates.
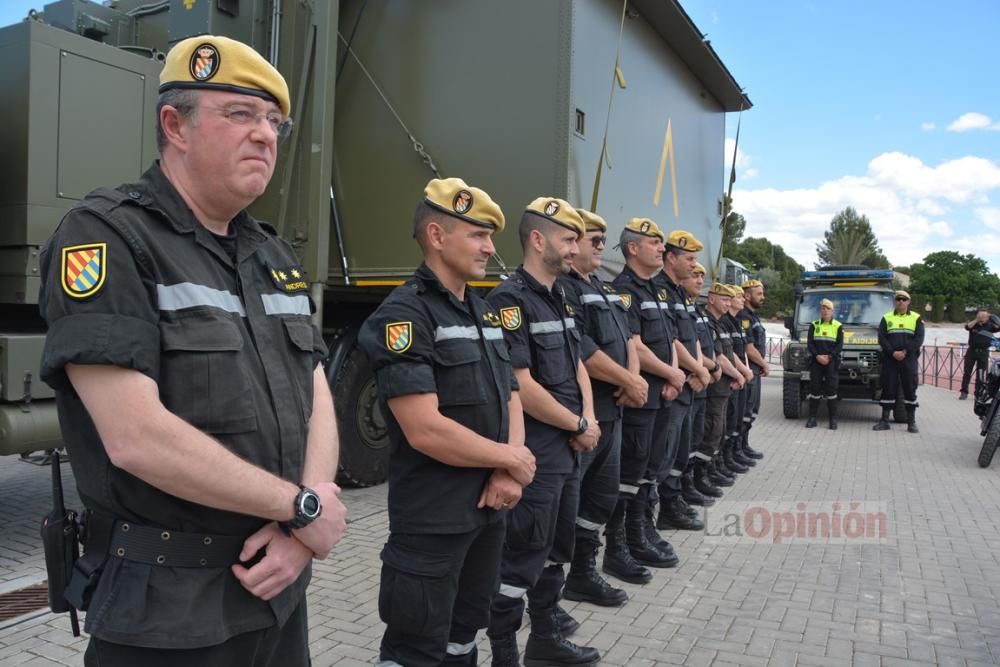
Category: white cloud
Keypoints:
(750, 173)
(973, 121)
(905, 200)
(743, 162)
(927, 127)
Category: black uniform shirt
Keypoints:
(737, 335)
(722, 343)
(650, 321)
(603, 324)
(706, 335)
(681, 312)
(422, 339)
(540, 329)
(232, 350)
(981, 334)
(753, 330)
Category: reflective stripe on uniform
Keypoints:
(674, 472)
(587, 525)
(285, 304)
(552, 326)
(492, 333)
(591, 298)
(460, 649)
(456, 332)
(189, 295)
(649, 305)
(703, 457)
(628, 488)
(509, 591)
(831, 398)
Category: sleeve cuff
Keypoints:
(403, 379)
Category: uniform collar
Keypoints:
(429, 280)
(634, 277)
(533, 284)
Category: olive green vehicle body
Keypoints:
(510, 95)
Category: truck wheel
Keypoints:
(899, 414)
(990, 443)
(364, 437)
(791, 396)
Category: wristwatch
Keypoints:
(581, 426)
(307, 509)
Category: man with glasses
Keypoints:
(189, 386)
(609, 355)
(901, 335)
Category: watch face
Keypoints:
(310, 504)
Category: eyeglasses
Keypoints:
(241, 115)
(598, 240)
(901, 298)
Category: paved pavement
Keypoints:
(925, 593)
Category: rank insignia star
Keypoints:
(296, 274)
(491, 318)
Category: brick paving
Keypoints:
(926, 594)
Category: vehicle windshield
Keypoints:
(859, 308)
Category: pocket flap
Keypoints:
(412, 561)
(201, 334)
(456, 353)
(550, 341)
(301, 333)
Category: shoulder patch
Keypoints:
(84, 269)
(626, 299)
(745, 324)
(289, 279)
(398, 336)
(511, 318)
(661, 294)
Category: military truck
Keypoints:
(511, 95)
(861, 296)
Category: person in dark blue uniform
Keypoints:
(732, 454)
(679, 260)
(559, 422)
(977, 352)
(756, 335)
(458, 458)
(189, 386)
(643, 446)
(901, 335)
(610, 358)
(825, 342)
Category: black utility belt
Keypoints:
(171, 548)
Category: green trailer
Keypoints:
(510, 95)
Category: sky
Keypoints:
(889, 106)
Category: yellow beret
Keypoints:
(558, 211)
(826, 303)
(454, 197)
(644, 226)
(592, 221)
(902, 293)
(698, 268)
(684, 240)
(753, 282)
(735, 290)
(212, 62)
(720, 290)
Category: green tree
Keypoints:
(776, 269)
(850, 240)
(732, 233)
(953, 275)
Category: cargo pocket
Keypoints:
(414, 597)
(551, 363)
(456, 372)
(653, 330)
(201, 378)
(604, 323)
(527, 526)
(300, 333)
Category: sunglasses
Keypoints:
(901, 298)
(598, 240)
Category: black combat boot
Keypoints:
(692, 494)
(635, 534)
(673, 515)
(504, 648)
(715, 474)
(546, 645)
(883, 423)
(813, 411)
(702, 481)
(911, 419)
(749, 451)
(618, 561)
(831, 409)
(567, 624)
(584, 584)
(732, 464)
(736, 446)
(649, 524)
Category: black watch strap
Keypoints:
(305, 498)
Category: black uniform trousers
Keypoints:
(637, 442)
(978, 359)
(283, 646)
(600, 475)
(697, 426)
(676, 422)
(824, 381)
(715, 424)
(896, 376)
(751, 405)
(540, 538)
(735, 410)
(435, 595)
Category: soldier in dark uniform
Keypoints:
(679, 260)
(977, 352)
(732, 455)
(458, 456)
(901, 335)
(753, 297)
(559, 422)
(825, 341)
(610, 358)
(707, 478)
(653, 331)
(189, 387)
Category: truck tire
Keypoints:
(791, 397)
(364, 437)
(899, 411)
(990, 443)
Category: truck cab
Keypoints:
(861, 296)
